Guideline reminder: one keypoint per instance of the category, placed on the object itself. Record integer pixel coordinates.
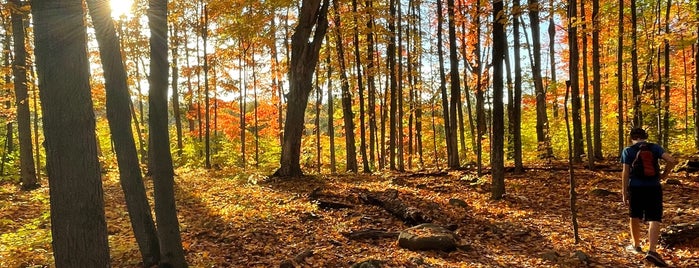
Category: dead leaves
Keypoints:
(240, 220)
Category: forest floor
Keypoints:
(230, 220)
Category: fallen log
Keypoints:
(389, 201)
(679, 233)
(369, 234)
(326, 202)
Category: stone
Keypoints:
(427, 237)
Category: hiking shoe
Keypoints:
(632, 249)
(654, 258)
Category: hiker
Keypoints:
(641, 190)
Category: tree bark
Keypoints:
(455, 86)
(119, 116)
(666, 82)
(360, 85)
(574, 83)
(371, 85)
(586, 90)
(696, 90)
(304, 58)
(542, 124)
(19, 71)
(78, 224)
(596, 83)
(497, 144)
(331, 117)
(171, 251)
(176, 112)
(443, 86)
(517, 98)
(347, 115)
(637, 113)
(620, 80)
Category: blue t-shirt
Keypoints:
(629, 154)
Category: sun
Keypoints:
(121, 8)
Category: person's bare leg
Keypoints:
(635, 231)
(653, 234)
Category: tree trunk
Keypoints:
(24, 129)
(78, 224)
(637, 113)
(596, 83)
(171, 251)
(497, 143)
(399, 90)
(360, 85)
(318, 104)
(696, 90)
(331, 118)
(443, 87)
(371, 85)
(620, 81)
(393, 88)
(455, 87)
(480, 98)
(542, 124)
(553, 86)
(175, 91)
(571, 174)
(119, 115)
(9, 134)
(574, 83)
(242, 105)
(347, 115)
(586, 89)
(304, 58)
(207, 103)
(517, 98)
(666, 97)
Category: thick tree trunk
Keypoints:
(78, 224)
(168, 227)
(19, 70)
(119, 115)
(304, 58)
(347, 115)
(497, 160)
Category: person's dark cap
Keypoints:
(638, 134)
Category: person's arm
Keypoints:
(670, 163)
(625, 183)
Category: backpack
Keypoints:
(645, 166)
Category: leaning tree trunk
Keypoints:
(19, 70)
(304, 58)
(172, 254)
(78, 225)
(119, 115)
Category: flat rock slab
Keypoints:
(427, 236)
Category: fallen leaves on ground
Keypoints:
(230, 220)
